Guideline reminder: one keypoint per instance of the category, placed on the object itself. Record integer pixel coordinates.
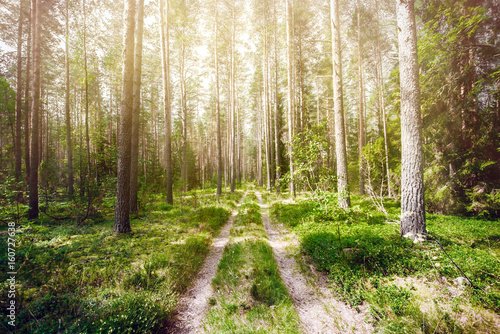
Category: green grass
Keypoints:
(364, 256)
(88, 280)
(251, 297)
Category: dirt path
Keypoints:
(193, 303)
(318, 310)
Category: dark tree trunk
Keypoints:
(19, 87)
(27, 103)
(122, 209)
(137, 107)
(164, 35)
(35, 88)
(67, 111)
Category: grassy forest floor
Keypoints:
(85, 279)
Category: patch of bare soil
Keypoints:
(318, 310)
(194, 302)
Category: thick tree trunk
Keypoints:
(35, 88)
(412, 176)
(122, 209)
(340, 136)
(165, 46)
(137, 107)
(19, 87)
(69, 143)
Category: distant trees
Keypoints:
(241, 99)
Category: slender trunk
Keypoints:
(217, 103)
(87, 132)
(69, 144)
(27, 102)
(122, 208)
(165, 46)
(233, 104)
(291, 106)
(19, 87)
(382, 107)
(277, 125)
(184, 170)
(340, 131)
(361, 93)
(267, 140)
(412, 167)
(137, 107)
(35, 88)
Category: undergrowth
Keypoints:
(85, 279)
(363, 254)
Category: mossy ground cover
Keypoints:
(409, 287)
(85, 279)
(250, 296)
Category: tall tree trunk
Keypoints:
(165, 47)
(361, 116)
(69, 143)
(122, 209)
(277, 125)
(137, 107)
(340, 136)
(27, 101)
(265, 76)
(19, 87)
(412, 160)
(378, 68)
(217, 104)
(87, 131)
(291, 104)
(233, 103)
(35, 88)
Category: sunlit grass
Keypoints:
(364, 256)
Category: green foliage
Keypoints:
(310, 152)
(267, 286)
(97, 282)
(365, 259)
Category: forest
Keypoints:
(250, 166)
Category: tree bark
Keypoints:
(35, 88)
(27, 102)
(19, 87)
(361, 123)
(69, 143)
(340, 137)
(382, 106)
(291, 104)
(122, 209)
(233, 102)
(277, 125)
(412, 176)
(217, 104)
(165, 46)
(137, 107)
